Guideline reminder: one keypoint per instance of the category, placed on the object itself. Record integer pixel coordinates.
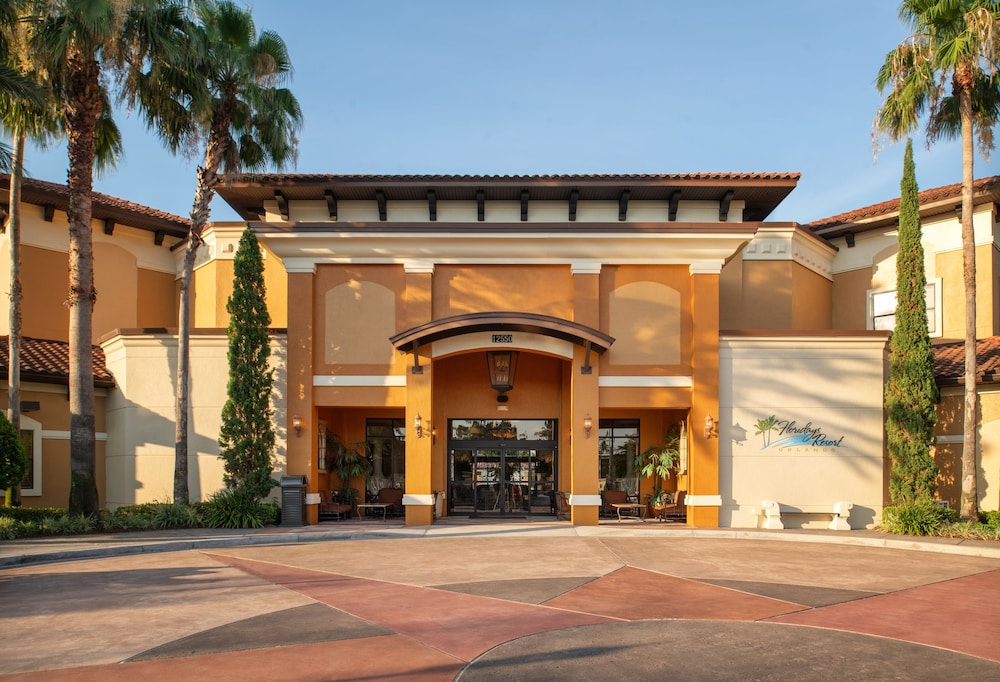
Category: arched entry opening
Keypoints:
(449, 379)
(499, 458)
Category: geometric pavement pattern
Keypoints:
(627, 622)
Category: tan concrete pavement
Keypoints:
(474, 600)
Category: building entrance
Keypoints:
(496, 468)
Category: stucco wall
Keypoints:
(825, 394)
(140, 415)
(948, 448)
(50, 424)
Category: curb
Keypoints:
(954, 546)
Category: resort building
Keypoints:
(506, 345)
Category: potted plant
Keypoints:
(658, 462)
(347, 463)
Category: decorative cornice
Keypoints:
(791, 243)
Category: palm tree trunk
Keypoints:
(970, 472)
(13, 498)
(83, 105)
(207, 180)
(182, 493)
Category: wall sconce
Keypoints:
(418, 425)
(588, 424)
(710, 427)
(297, 424)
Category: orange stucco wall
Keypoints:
(950, 269)
(779, 294)
(850, 298)
(546, 290)
(53, 417)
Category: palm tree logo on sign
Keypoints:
(791, 434)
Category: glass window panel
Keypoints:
(883, 303)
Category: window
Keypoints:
(616, 447)
(387, 444)
(882, 309)
(31, 436)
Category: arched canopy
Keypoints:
(472, 323)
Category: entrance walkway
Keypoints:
(489, 601)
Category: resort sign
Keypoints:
(788, 434)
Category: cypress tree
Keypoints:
(910, 393)
(246, 437)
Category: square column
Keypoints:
(301, 447)
(418, 497)
(703, 499)
(584, 497)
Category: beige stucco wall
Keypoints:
(140, 415)
(831, 384)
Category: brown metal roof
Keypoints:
(949, 361)
(762, 192)
(47, 362)
(104, 207)
(935, 201)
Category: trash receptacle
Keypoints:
(293, 500)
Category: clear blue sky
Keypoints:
(575, 86)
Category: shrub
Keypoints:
(237, 508)
(9, 528)
(919, 517)
(68, 524)
(31, 514)
(118, 521)
(990, 519)
(176, 515)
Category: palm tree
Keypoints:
(22, 114)
(78, 41)
(947, 70)
(232, 101)
(39, 118)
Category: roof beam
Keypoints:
(524, 205)
(480, 205)
(48, 212)
(109, 226)
(331, 204)
(623, 204)
(282, 204)
(675, 199)
(382, 211)
(432, 205)
(574, 196)
(724, 205)
(158, 237)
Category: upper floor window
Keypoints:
(882, 309)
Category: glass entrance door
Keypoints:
(501, 477)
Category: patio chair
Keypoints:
(676, 510)
(562, 505)
(394, 498)
(612, 497)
